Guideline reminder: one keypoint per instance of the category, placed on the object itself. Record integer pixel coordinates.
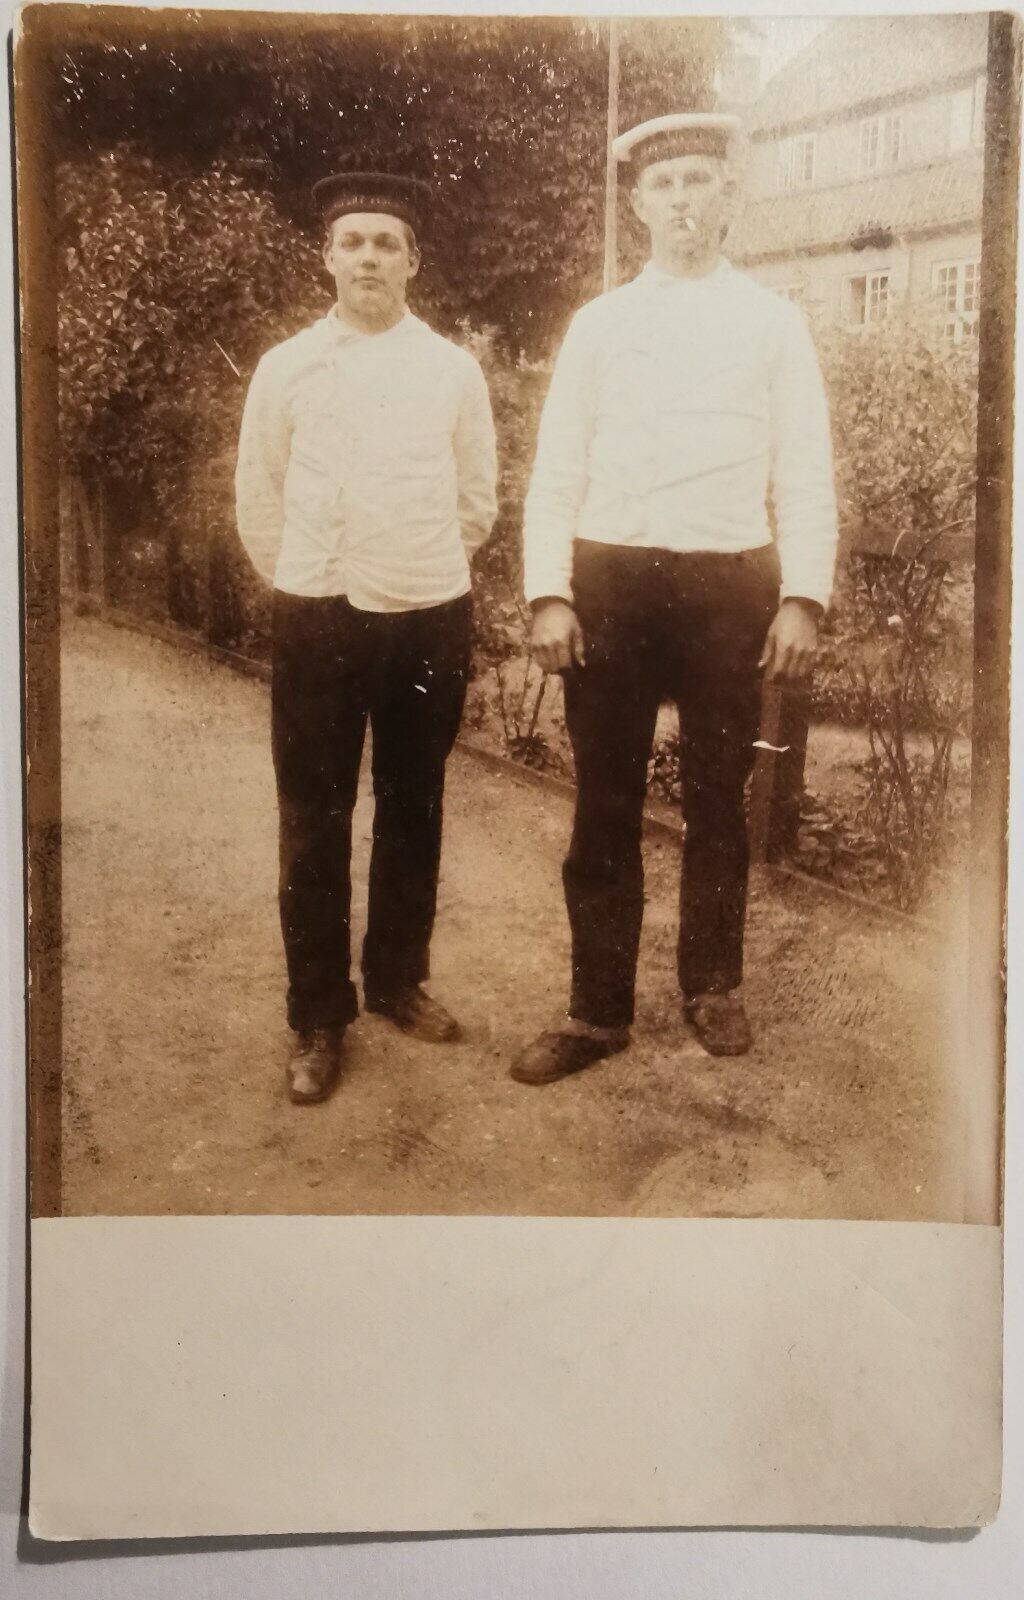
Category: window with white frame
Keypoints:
(967, 117)
(796, 161)
(956, 286)
(867, 298)
(881, 142)
(978, 117)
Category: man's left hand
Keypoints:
(792, 643)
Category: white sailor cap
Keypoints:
(684, 133)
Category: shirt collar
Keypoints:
(341, 332)
(656, 277)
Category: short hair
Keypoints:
(639, 168)
(406, 227)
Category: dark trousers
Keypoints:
(659, 626)
(334, 669)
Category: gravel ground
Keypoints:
(854, 1104)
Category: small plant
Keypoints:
(664, 776)
(831, 844)
(911, 705)
(520, 709)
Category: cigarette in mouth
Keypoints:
(688, 222)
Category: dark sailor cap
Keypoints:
(384, 192)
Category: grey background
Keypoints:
(655, 1564)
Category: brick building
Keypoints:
(865, 171)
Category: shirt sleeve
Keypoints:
(476, 461)
(263, 449)
(802, 478)
(559, 480)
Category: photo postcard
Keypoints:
(516, 546)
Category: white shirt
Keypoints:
(676, 407)
(367, 465)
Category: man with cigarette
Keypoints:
(365, 482)
(682, 406)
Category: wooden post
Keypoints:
(109, 535)
(221, 608)
(991, 706)
(86, 547)
(211, 596)
(611, 182)
(778, 783)
(175, 585)
(36, 81)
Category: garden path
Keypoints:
(175, 1044)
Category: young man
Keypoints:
(680, 404)
(365, 482)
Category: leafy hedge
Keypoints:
(904, 412)
(505, 115)
(173, 283)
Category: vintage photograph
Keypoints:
(517, 579)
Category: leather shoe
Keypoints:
(315, 1067)
(720, 1023)
(555, 1055)
(417, 1014)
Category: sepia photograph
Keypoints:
(516, 521)
(517, 579)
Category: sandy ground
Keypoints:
(175, 1042)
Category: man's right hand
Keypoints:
(557, 639)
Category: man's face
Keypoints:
(685, 202)
(371, 258)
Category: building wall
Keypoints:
(928, 253)
(820, 281)
(927, 134)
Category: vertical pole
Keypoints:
(777, 785)
(107, 534)
(40, 516)
(611, 187)
(88, 581)
(991, 718)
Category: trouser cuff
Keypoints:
(601, 1016)
(333, 1011)
(378, 988)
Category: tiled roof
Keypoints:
(858, 62)
(919, 199)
